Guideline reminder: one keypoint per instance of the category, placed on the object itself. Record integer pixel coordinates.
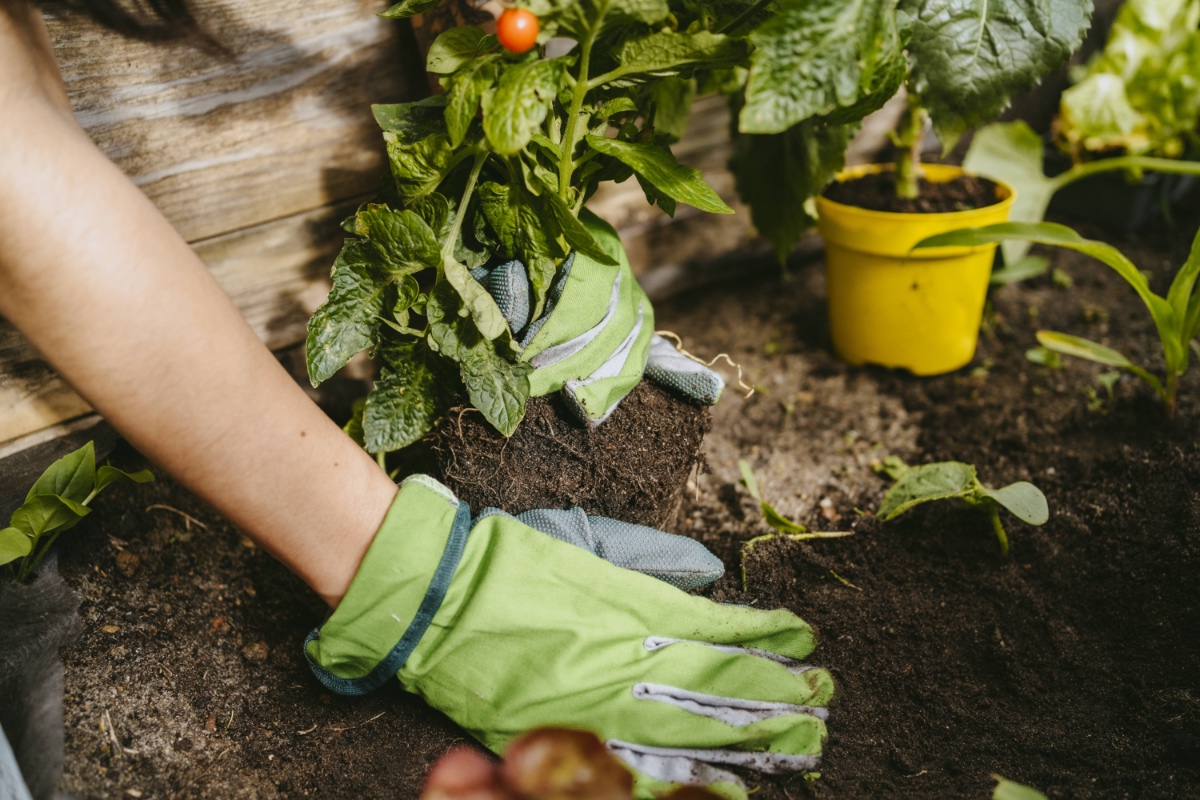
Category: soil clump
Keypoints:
(634, 467)
(877, 192)
(1070, 666)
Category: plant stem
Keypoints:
(998, 527)
(1170, 165)
(566, 163)
(1169, 395)
(908, 148)
(737, 21)
(461, 212)
(35, 557)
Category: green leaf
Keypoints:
(1012, 152)
(497, 387)
(481, 305)
(409, 8)
(673, 106)
(520, 104)
(1168, 324)
(967, 58)
(14, 544)
(659, 167)
(574, 231)
(348, 322)
(523, 234)
(453, 49)
(47, 513)
(667, 53)
(1096, 114)
(1023, 499)
(466, 93)
(778, 174)
(409, 397)
(1082, 348)
(655, 197)
(925, 483)
(419, 166)
(584, 17)
(1011, 790)
(354, 426)
(108, 475)
(73, 476)
(815, 57)
(402, 238)
(1183, 296)
(1023, 269)
(411, 121)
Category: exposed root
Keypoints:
(745, 387)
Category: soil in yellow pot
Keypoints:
(921, 311)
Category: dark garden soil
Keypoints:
(1073, 665)
(877, 191)
(634, 467)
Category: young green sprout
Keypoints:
(1176, 316)
(954, 480)
(55, 503)
(784, 527)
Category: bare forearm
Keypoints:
(121, 307)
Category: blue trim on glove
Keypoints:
(434, 595)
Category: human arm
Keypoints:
(119, 305)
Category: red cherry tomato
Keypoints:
(517, 29)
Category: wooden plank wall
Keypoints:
(255, 158)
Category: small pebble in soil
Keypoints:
(256, 652)
(128, 563)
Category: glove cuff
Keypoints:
(396, 592)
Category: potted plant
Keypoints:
(960, 62)
(494, 173)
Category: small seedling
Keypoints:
(1099, 403)
(56, 503)
(784, 527)
(1011, 790)
(1046, 358)
(1176, 316)
(953, 480)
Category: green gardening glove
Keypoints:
(595, 340)
(506, 629)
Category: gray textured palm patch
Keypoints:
(508, 284)
(677, 560)
(675, 372)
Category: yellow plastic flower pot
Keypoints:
(922, 311)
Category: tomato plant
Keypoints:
(517, 29)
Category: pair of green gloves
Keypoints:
(557, 618)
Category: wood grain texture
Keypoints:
(281, 125)
(277, 274)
